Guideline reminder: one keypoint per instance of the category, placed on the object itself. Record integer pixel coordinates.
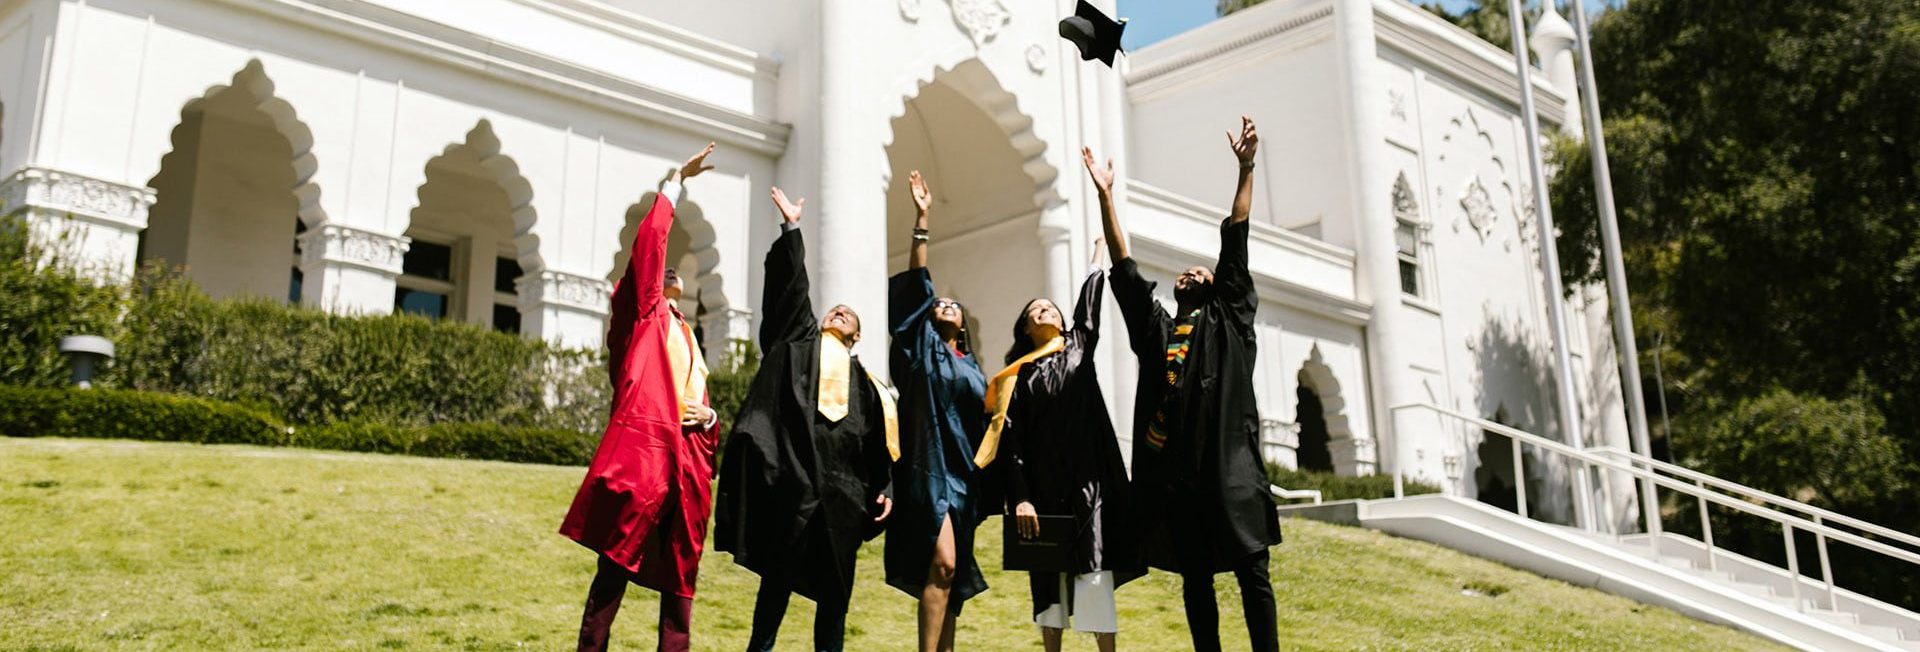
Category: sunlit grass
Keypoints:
(173, 546)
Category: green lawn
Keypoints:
(172, 546)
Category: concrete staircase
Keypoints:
(1666, 570)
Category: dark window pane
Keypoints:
(293, 286)
(505, 272)
(428, 260)
(506, 319)
(420, 302)
(1409, 278)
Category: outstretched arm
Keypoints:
(1109, 219)
(1244, 148)
(1234, 282)
(922, 201)
(786, 301)
(1086, 310)
(638, 290)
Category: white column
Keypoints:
(565, 309)
(348, 270)
(1379, 274)
(90, 224)
(849, 218)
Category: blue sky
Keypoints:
(1156, 20)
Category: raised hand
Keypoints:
(1102, 174)
(1098, 248)
(789, 210)
(922, 196)
(694, 166)
(1248, 142)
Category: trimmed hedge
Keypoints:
(1345, 487)
(121, 414)
(474, 441)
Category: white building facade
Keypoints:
(486, 161)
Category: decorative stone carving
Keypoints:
(341, 244)
(980, 19)
(1478, 204)
(910, 10)
(1452, 464)
(1405, 207)
(62, 193)
(1397, 104)
(1037, 58)
(572, 290)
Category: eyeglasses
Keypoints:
(945, 303)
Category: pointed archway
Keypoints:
(470, 236)
(992, 186)
(234, 191)
(1346, 453)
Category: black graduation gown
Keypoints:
(796, 490)
(1059, 452)
(1202, 499)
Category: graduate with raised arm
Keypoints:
(1197, 474)
(1059, 457)
(805, 479)
(938, 486)
(644, 504)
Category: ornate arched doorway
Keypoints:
(967, 136)
(470, 237)
(234, 191)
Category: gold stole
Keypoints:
(1000, 397)
(836, 366)
(689, 366)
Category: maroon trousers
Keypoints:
(603, 603)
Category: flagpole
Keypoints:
(1556, 295)
(1629, 348)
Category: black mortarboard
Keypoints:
(1097, 36)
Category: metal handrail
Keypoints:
(1294, 494)
(1788, 522)
(1827, 516)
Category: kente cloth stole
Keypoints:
(836, 368)
(1177, 348)
(689, 366)
(1000, 397)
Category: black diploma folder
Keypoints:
(1052, 551)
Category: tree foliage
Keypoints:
(1766, 164)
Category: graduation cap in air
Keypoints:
(1097, 36)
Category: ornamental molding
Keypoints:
(980, 19)
(1405, 207)
(339, 244)
(910, 10)
(1478, 204)
(49, 191)
(1281, 433)
(552, 288)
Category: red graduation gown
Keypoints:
(645, 500)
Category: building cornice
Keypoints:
(1453, 52)
(641, 29)
(420, 37)
(1244, 37)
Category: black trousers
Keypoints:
(770, 608)
(1256, 598)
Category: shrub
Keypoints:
(116, 414)
(1345, 487)
(39, 304)
(313, 367)
(476, 441)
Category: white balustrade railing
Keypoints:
(1789, 514)
(1294, 494)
